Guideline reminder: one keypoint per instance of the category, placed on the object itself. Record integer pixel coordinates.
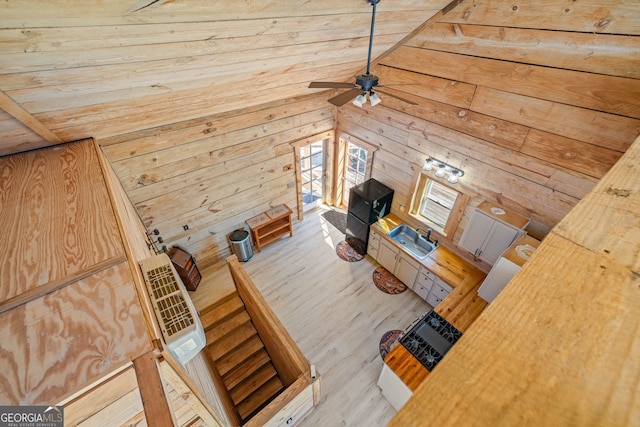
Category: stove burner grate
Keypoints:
(430, 339)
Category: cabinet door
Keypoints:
(406, 269)
(387, 256)
(500, 274)
(498, 240)
(476, 232)
(374, 244)
(393, 389)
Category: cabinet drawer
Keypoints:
(433, 300)
(194, 276)
(439, 292)
(444, 285)
(426, 278)
(422, 291)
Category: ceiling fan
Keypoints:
(364, 83)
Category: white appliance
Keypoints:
(181, 328)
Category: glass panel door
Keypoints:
(312, 174)
(355, 168)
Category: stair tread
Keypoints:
(231, 341)
(245, 350)
(256, 380)
(226, 325)
(259, 398)
(245, 369)
(228, 305)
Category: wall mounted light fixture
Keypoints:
(442, 169)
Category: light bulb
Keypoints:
(360, 100)
(453, 178)
(428, 166)
(374, 99)
(440, 172)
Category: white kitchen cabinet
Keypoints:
(387, 254)
(398, 263)
(374, 243)
(393, 389)
(507, 266)
(501, 273)
(487, 236)
(423, 283)
(406, 269)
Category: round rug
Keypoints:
(387, 282)
(388, 341)
(347, 253)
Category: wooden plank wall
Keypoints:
(536, 103)
(99, 69)
(213, 173)
(78, 316)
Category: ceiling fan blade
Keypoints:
(330, 85)
(345, 97)
(397, 97)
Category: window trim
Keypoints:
(420, 183)
(342, 139)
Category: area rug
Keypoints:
(347, 253)
(387, 282)
(388, 341)
(337, 219)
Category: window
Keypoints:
(355, 167)
(437, 205)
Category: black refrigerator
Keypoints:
(368, 202)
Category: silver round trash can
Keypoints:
(241, 245)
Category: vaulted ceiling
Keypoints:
(72, 69)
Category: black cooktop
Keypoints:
(430, 339)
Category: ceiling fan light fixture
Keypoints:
(374, 99)
(360, 100)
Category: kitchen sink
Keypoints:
(412, 241)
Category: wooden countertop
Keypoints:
(460, 308)
(442, 262)
(524, 245)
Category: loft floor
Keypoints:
(334, 312)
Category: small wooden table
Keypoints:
(269, 226)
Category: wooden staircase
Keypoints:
(238, 354)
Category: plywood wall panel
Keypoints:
(62, 341)
(57, 215)
(590, 52)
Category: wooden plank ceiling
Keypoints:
(98, 69)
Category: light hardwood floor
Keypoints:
(334, 312)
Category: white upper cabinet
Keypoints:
(491, 230)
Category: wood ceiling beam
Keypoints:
(11, 107)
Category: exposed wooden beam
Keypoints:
(11, 107)
(156, 407)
